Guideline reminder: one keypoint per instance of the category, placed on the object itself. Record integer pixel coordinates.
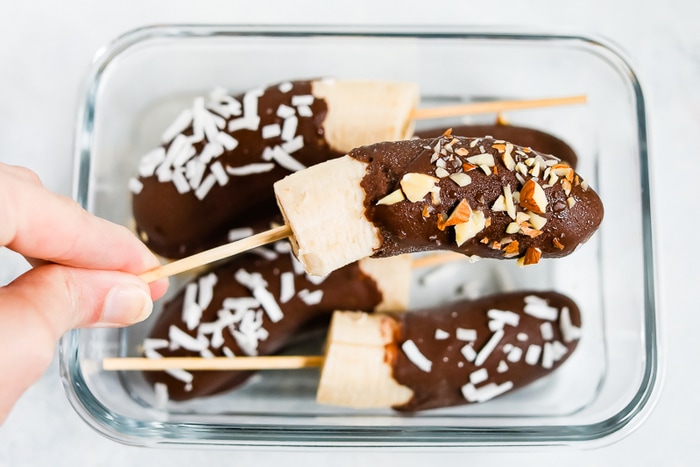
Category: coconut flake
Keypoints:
(547, 356)
(161, 397)
(211, 151)
(250, 169)
(135, 185)
(558, 350)
(441, 335)
(502, 367)
(155, 344)
(488, 347)
(304, 99)
(287, 290)
(180, 124)
(468, 352)
(515, 354)
(285, 87)
(203, 190)
(504, 316)
(463, 334)
(485, 393)
(239, 233)
(258, 286)
(569, 332)
(522, 337)
(293, 144)
(284, 111)
(217, 169)
(191, 311)
(150, 162)
(289, 128)
(538, 308)
(478, 376)
(271, 131)
(226, 140)
(283, 158)
(180, 339)
(311, 298)
(547, 331)
(416, 356)
(532, 356)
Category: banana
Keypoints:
(324, 207)
(356, 372)
(366, 112)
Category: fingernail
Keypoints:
(126, 305)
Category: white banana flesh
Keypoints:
(355, 371)
(366, 112)
(323, 206)
(393, 278)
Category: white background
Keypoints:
(46, 47)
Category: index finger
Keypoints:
(44, 225)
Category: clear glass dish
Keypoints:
(140, 82)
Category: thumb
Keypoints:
(42, 304)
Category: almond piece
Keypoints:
(459, 215)
(512, 249)
(461, 179)
(533, 197)
(532, 256)
(537, 221)
(482, 159)
(394, 197)
(416, 185)
(467, 230)
(557, 244)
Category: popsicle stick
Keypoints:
(276, 362)
(493, 107)
(436, 259)
(216, 254)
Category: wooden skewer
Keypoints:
(493, 107)
(216, 254)
(276, 362)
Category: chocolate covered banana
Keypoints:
(465, 352)
(218, 159)
(254, 305)
(482, 197)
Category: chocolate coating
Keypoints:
(451, 370)
(346, 287)
(573, 211)
(175, 224)
(522, 136)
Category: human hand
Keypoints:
(84, 275)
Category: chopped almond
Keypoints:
(392, 198)
(469, 229)
(417, 185)
(462, 151)
(467, 166)
(512, 249)
(529, 231)
(426, 211)
(532, 256)
(500, 147)
(533, 197)
(460, 214)
(447, 133)
(557, 244)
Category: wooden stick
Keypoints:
(493, 107)
(277, 362)
(436, 259)
(216, 254)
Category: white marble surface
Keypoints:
(45, 48)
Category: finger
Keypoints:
(23, 173)
(39, 306)
(44, 225)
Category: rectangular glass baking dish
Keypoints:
(140, 82)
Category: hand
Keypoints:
(84, 275)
